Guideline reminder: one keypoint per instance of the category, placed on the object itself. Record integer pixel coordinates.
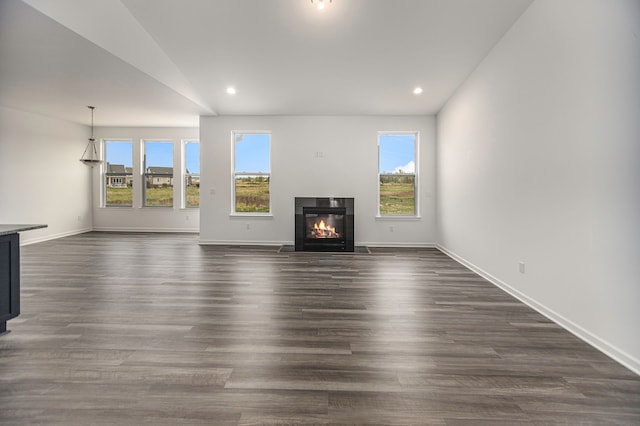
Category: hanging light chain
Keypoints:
(91, 138)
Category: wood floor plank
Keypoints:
(133, 329)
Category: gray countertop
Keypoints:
(12, 229)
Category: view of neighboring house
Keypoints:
(119, 176)
(159, 176)
(192, 180)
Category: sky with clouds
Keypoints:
(397, 152)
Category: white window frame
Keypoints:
(235, 174)
(416, 180)
(143, 160)
(184, 175)
(103, 173)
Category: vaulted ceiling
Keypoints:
(166, 62)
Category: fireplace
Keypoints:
(324, 224)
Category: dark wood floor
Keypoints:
(132, 329)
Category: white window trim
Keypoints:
(184, 174)
(234, 174)
(416, 192)
(143, 174)
(103, 173)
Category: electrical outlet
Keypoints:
(212, 192)
(248, 226)
(391, 229)
(186, 217)
(521, 267)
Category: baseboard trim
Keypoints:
(149, 230)
(597, 342)
(398, 245)
(44, 238)
(285, 243)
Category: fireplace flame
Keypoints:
(321, 230)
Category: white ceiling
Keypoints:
(165, 62)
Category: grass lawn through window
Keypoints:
(155, 196)
(159, 196)
(252, 195)
(193, 196)
(397, 198)
(119, 196)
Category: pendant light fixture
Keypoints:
(90, 155)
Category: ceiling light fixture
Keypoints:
(321, 4)
(231, 90)
(90, 155)
(417, 90)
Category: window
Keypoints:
(118, 174)
(158, 174)
(397, 173)
(191, 174)
(252, 172)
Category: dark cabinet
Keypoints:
(9, 279)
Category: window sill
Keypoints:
(398, 217)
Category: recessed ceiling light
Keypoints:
(231, 90)
(417, 90)
(321, 4)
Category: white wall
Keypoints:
(539, 161)
(138, 218)
(348, 168)
(42, 180)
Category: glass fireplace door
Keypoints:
(324, 227)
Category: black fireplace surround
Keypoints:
(324, 224)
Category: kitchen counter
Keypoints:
(10, 271)
(12, 229)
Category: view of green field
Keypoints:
(122, 197)
(159, 196)
(193, 196)
(397, 195)
(119, 196)
(252, 194)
